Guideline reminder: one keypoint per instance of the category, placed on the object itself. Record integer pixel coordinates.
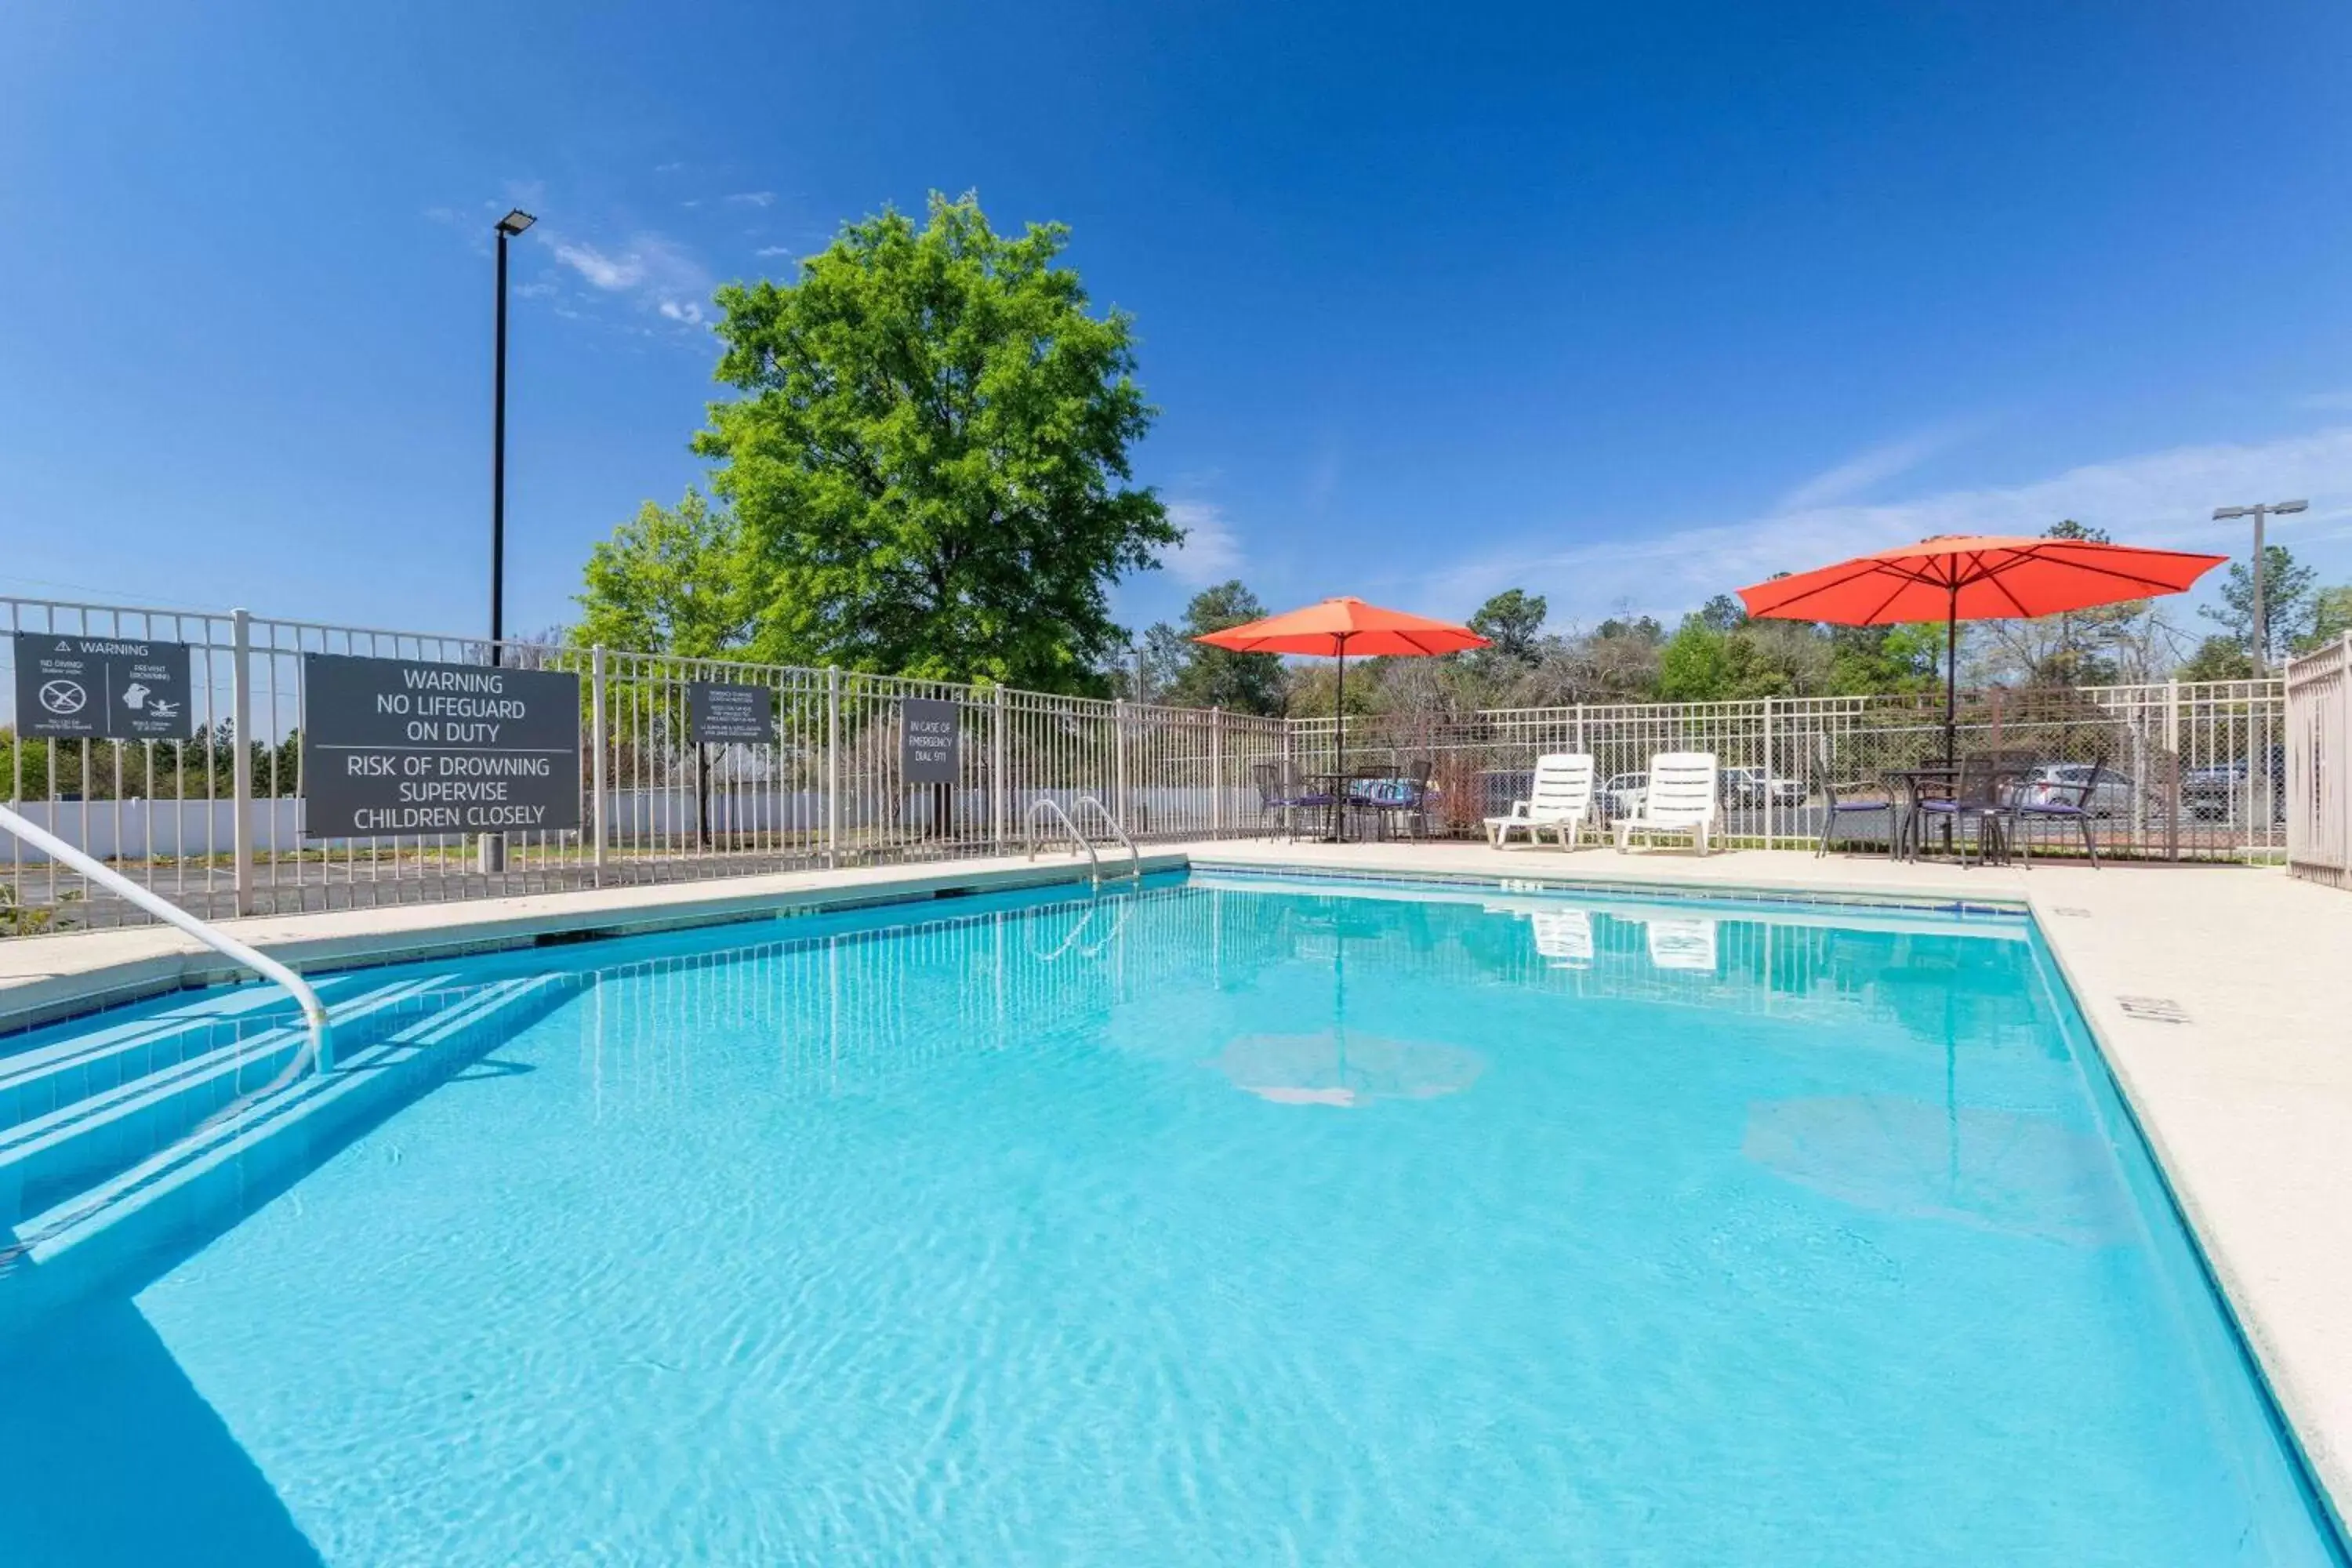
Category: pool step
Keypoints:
(128, 1093)
(64, 1071)
(215, 1169)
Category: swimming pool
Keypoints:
(1233, 1220)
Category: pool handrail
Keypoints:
(1135, 869)
(1029, 832)
(314, 1011)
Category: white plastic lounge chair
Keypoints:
(1682, 944)
(1564, 937)
(1681, 799)
(1560, 802)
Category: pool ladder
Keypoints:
(1094, 862)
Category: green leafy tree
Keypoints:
(1512, 621)
(2331, 618)
(1202, 676)
(1723, 613)
(1866, 660)
(1697, 663)
(1707, 662)
(669, 581)
(2289, 601)
(24, 766)
(929, 461)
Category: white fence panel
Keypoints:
(2318, 751)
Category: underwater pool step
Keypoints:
(46, 1079)
(220, 1167)
(110, 1126)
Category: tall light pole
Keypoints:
(493, 846)
(513, 224)
(2266, 509)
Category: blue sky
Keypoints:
(1627, 304)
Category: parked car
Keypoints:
(1753, 787)
(1622, 794)
(2217, 791)
(2061, 784)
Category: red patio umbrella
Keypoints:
(1957, 577)
(1338, 627)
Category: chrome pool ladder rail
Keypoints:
(314, 1011)
(1046, 803)
(1135, 859)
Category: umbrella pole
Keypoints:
(1339, 707)
(1952, 679)
(1340, 753)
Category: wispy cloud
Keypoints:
(1210, 551)
(610, 273)
(774, 250)
(672, 167)
(652, 270)
(753, 198)
(2164, 498)
(1866, 470)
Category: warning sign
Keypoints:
(102, 688)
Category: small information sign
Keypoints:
(733, 715)
(927, 740)
(102, 688)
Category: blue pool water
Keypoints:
(1231, 1221)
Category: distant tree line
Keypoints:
(204, 766)
(1718, 653)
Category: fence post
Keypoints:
(1289, 774)
(1119, 759)
(1769, 793)
(832, 766)
(596, 766)
(997, 782)
(1217, 771)
(2172, 769)
(240, 721)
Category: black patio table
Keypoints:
(1939, 781)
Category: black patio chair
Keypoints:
(1280, 799)
(1400, 796)
(1976, 800)
(1846, 800)
(2060, 803)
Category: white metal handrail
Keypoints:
(1136, 867)
(314, 1011)
(1029, 831)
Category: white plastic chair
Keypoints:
(1560, 801)
(1680, 800)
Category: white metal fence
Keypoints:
(2188, 770)
(214, 822)
(2318, 750)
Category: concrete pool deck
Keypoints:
(2221, 997)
